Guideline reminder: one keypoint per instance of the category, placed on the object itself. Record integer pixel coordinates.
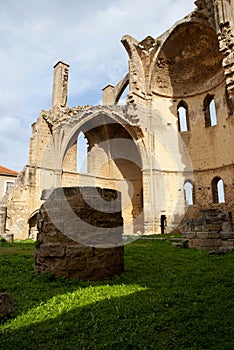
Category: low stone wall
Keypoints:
(213, 230)
(2, 219)
(80, 234)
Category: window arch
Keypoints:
(183, 119)
(218, 190)
(210, 111)
(81, 155)
(189, 192)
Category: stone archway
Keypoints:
(113, 161)
(32, 225)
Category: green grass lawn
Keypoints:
(167, 299)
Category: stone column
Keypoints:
(108, 96)
(60, 85)
(80, 233)
(224, 12)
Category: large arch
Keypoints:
(114, 160)
(189, 61)
(94, 118)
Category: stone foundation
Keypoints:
(80, 234)
(212, 231)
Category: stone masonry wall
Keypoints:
(80, 234)
(2, 219)
(212, 231)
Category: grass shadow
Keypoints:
(167, 299)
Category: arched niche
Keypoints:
(218, 193)
(189, 192)
(183, 117)
(82, 154)
(209, 109)
(189, 62)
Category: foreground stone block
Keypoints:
(78, 240)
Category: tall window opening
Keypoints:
(189, 192)
(182, 112)
(82, 153)
(8, 186)
(218, 190)
(210, 111)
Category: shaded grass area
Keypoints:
(167, 299)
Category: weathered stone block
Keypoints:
(76, 263)
(52, 264)
(216, 226)
(227, 244)
(189, 235)
(73, 202)
(79, 251)
(226, 249)
(227, 235)
(79, 241)
(49, 228)
(213, 235)
(52, 249)
(227, 226)
(207, 231)
(208, 243)
(177, 245)
(202, 235)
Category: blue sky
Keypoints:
(34, 35)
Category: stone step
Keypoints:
(226, 249)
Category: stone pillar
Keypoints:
(108, 95)
(224, 12)
(149, 210)
(80, 233)
(60, 85)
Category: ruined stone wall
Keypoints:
(212, 230)
(22, 201)
(210, 149)
(41, 134)
(70, 160)
(80, 234)
(2, 219)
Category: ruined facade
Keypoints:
(169, 150)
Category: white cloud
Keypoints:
(34, 35)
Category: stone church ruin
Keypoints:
(168, 150)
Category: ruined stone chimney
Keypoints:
(60, 84)
(108, 95)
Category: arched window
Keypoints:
(189, 192)
(218, 190)
(210, 111)
(82, 152)
(182, 113)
